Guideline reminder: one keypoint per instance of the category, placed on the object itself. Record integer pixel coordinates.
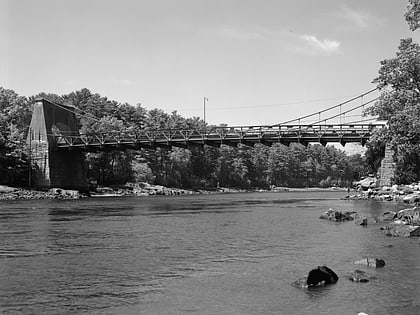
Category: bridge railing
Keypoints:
(217, 135)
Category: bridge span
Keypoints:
(216, 136)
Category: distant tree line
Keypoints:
(208, 167)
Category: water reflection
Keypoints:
(78, 212)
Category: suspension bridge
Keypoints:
(315, 127)
(57, 147)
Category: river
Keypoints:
(199, 254)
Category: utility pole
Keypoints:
(205, 136)
(204, 112)
(30, 159)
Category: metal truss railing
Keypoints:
(215, 136)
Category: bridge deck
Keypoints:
(250, 135)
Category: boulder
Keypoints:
(321, 276)
(359, 220)
(64, 193)
(7, 189)
(389, 216)
(366, 183)
(371, 262)
(409, 216)
(399, 229)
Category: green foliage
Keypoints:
(142, 172)
(399, 103)
(376, 150)
(413, 14)
(15, 115)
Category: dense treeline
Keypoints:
(208, 167)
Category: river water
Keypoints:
(199, 254)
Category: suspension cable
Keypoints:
(348, 111)
(65, 107)
(327, 109)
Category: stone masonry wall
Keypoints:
(387, 170)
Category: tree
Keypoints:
(413, 14)
(399, 103)
(142, 171)
(134, 117)
(258, 166)
(15, 115)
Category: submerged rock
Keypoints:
(300, 283)
(372, 262)
(338, 216)
(360, 276)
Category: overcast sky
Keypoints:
(257, 61)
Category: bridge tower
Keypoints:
(50, 167)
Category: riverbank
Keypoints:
(405, 193)
(132, 189)
(14, 193)
(138, 189)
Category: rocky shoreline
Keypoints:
(407, 193)
(402, 223)
(131, 189)
(367, 189)
(138, 189)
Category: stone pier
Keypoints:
(387, 170)
(50, 167)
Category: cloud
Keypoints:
(313, 45)
(306, 44)
(356, 19)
